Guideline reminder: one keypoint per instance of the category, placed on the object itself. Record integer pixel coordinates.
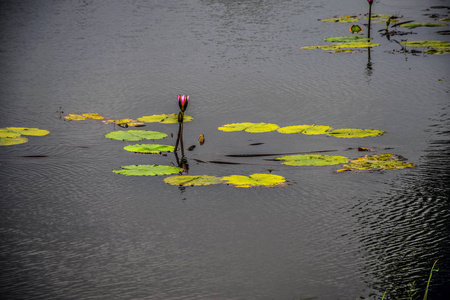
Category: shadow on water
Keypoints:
(404, 233)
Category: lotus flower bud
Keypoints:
(355, 28)
(201, 139)
(370, 2)
(183, 101)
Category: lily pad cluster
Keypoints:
(434, 47)
(163, 118)
(13, 135)
(124, 122)
(312, 129)
(75, 117)
(172, 118)
(254, 180)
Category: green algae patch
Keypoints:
(249, 127)
(341, 19)
(29, 131)
(9, 141)
(268, 180)
(149, 148)
(377, 162)
(312, 160)
(355, 133)
(164, 118)
(135, 135)
(75, 117)
(148, 170)
(352, 38)
(417, 24)
(193, 180)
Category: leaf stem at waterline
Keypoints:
(429, 279)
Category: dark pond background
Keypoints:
(72, 229)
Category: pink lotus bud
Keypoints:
(370, 2)
(183, 101)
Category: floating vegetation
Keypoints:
(342, 19)
(82, 117)
(124, 122)
(316, 129)
(148, 170)
(354, 29)
(249, 127)
(417, 24)
(347, 38)
(355, 133)
(149, 148)
(135, 135)
(377, 162)
(193, 180)
(173, 118)
(253, 180)
(427, 44)
(339, 46)
(312, 160)
(13, 135)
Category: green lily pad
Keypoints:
(338, 46)
(193, 180)
(293, 129)
(6, 133)
(316, 129)
(254, 180)
(149, 148)
(428, 44)
(148, 170)
(135, 135)
(8, 141)
(249, 127)
(416, 24)
(312, 160)
(82, 117)
(29, 131)
(173, 118)
(124, 122)
(377, 162)
(355, 133)
(342, 19)
(347, 38)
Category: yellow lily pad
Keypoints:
(193, 180)
(428, 44)
(342, 19)
(416, 24)
(6, 133)
(249, 127)
(8, 141)
(293, 129)
(29, 131)
(172, 118)
(316, 129)
(147, 170)
(255, 180)
(312, 160)
(339, 46)
(355, 133)
(75, 117)
(135, 135)
(124, 122)
(377, 162)
(149, 148)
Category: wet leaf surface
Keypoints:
(355, 133)
(172, 118)
(193, 180)
(312, 160)
(75, 117)
(135, 135)
(377, 162)
(149, 148)
(254, 180)
(249, 127)
(148, 170)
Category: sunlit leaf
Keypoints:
(355, 133)
(312, 160)
(149, 148)
(148, 170)
(338, 46)
(347, 38)
(135, 135)
(29, 131)
(85, 116)
(249, 127)
(124, 122)
(428, 44)
(6, 133)
(437, 52)
(293, 129)
(381, 18)
(377, 162)
(193, 180)
(8, 141)
(173, 118)
(254, 180)
(316, 129)
(416, 24)
(342, 19)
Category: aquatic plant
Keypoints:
(13, 135)
(312, 160)
(75, 117)
(147, 170)
(124, 122)
(135, 135)
(149, 148)
(355, 29)
(164, 118)
(183, 101)
(254, 180)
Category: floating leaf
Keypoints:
(416, 24)
(193, 180)
(377, 162)
(135, 135)
(29, 131)
(355, 133)
(293, 129)
(312, 160)
(428, 44)
(8, 141)
(249, 127)
(316, 129)
(148, 170)
(254, 180)
(6, 133)
(85, 116)
(124, 122)
(338, 46)
(342, 19)
(149, 148)
(381, 18)
(346, 38)
(173, 118)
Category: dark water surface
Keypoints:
(72, 229)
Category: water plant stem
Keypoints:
(370, 19)
(429, 279)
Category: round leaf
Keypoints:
(254, 180)
(293, 129)
(235, 127)
(346, 38)
(29, 131)
(312, 160)
(6, 133)
(355, 133)
(377, 162)
(192, 180)
(135, 135)
(249, 127)
(173, 118)
(148, 170)
(8, 141)
(149, 148)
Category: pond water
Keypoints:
(72, 229)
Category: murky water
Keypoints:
(72, 229)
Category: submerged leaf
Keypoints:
(193, 180)
(377, 162)
(135, 135)
(149, 148)
(249, 127)
(312, 160)
(342, 19)
(85, 116)
(254, 180)
(347, 38)
(124, 122)
(8, 141)
(29, 131)
(148, 170)
(355, 133)
(173, 118)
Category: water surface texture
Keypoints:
(72, 229)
